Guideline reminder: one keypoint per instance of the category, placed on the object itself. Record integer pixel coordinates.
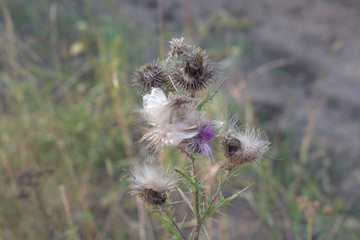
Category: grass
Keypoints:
(66, 105)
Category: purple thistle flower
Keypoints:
(201, 141)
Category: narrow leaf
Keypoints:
(166, 222)
(187, 201)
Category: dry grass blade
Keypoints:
(187, 201)
(243, 190)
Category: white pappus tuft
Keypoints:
(172, 119)
(243, 145)
(152, 184)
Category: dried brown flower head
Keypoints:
(308, 207)
(243, 146)
(151, 75)
(194, 72)
(152, 184)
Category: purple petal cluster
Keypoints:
(200, 142)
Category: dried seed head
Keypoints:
(152, 184)
(194, 72)
(179, 47)
(149, 76)
(302, 203)
(172, 119)
(243, 146)
(308, 207)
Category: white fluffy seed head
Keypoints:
(243, 145)
(155, 106)
(152, 184)
(172, 119)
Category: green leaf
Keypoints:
(223, 201)
(209, 97)
(186, 178)
(166, 222)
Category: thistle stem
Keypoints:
(207, 212)
(195, 193)
(196, 202)
(170, 216)
(224, 181)
(178, 229)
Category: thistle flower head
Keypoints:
(172, 119)
(152, 184)
(201, 141)
(194, 72)
(149, 76)
(243, 146)
(178, 46)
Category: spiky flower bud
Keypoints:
(152, 184)
(194, 72)
(243, 146)
(172, 119)
(149, 76)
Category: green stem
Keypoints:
(196, 202)
(310, 228)
(207, 212)
(210, 97)
(224, 181)
(171, 218)
(195, 193)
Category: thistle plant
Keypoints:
(175, 118)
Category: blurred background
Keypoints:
(68, 127)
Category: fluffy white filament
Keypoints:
(254, 142)
(152, 177)
(170, 119)
(243, 145)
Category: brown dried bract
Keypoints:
(194, 72)
(151, 75)
(153, 197)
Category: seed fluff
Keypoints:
(172, 119)
(152, 184)
(243, 146)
